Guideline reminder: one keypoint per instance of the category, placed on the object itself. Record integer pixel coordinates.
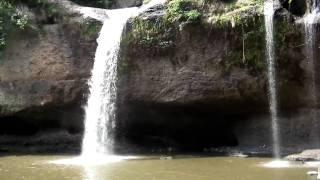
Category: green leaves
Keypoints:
(182, 11)
(151, 34)
(13, 19)
(6, 21)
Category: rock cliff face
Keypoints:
(114, 4)
(43, 81)
(208, 88)
(189, 86)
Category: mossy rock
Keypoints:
(95, 3)
(149, 34)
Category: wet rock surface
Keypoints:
(43, 84)
(201, 87)
(214, 76)
(42, 142)
(306, 155)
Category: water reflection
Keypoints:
(90, 173)
(197, 168)
(94, 168)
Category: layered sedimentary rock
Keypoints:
(197, 86)
(189, 86)
(43, 80)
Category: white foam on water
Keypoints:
(93, 160)
(278, 164)
(291, 164)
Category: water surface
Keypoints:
(149, 168)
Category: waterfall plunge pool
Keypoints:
(38, 167)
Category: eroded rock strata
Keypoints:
(185, 85)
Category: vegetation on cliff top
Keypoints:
(155, 33)
(182, 11)
(19, 15)
(213, 12)
(235, 13)
(10, 18)
(160, 34)
(14, 16)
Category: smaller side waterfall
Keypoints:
(268, 14)
(310, 49)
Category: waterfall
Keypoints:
(268, 14)
(310, 32)
(100, 109)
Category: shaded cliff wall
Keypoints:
(188, 86)
(199, 85)
(43, 83)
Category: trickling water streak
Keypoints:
(310, 32)
(268, 14)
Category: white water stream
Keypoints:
(101, 106)
(100, 110)
(270, 55)
(310, 49)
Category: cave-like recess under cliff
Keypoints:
(198, 86)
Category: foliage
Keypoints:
(90, 29)
(10, 19)
(248, 48)
(151, 34)
(237, 13)
(219, 12)
(182, 11)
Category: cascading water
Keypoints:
(268, 14)
(100, 109)
(310, 32)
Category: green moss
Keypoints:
(10, 20)
(182, 11)
(151, 34)
(248, 48)
(237, 13)
(13, 19)
(289, 42)
(90, 29)
(217, 12)
(285, 31)
(51, 9)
